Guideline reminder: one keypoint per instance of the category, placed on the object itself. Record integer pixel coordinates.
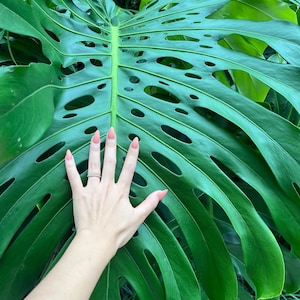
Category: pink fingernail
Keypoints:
(162, 194)
(111, 133)
(135, 143)
(96, 137)
(69, 155)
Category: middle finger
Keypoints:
(109, 164)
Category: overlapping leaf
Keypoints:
(153, 74)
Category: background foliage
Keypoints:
(210, 88)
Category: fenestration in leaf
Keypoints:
(151, 74)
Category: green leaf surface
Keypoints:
(257, 10)
(26, 101)
(153, 74)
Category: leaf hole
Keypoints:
(296, 187)
(138, 54)
(167, 163)
(128, 89)
(174, 62)
(134, 79)
(153, 263)
(68, 116)
(27, 220)
(190, 75)
(207, 35)
(144, 37)
(95, 29)
(210, 64)
(181, 37)
(137, 113)
(62, 10)
(80, 102)
(132, 194)
(161, 94)
(101, 86)
(90, 130)
(139, 180)
(126, 290)
(73, 68)
(47, 154)
(43, 202)
(205, 46)
(150, 4)
(55, 7)
(4, 187)
(176, 134)
(96, 62)
(105, 45)
(164, 83)
(52, 35)
(222, 167)
(82, 167)
(166, 215)
(173, 21)
(194, 97)
(168, 6)
(88, 44)
(141, 61)
(181, 111)
(269, 51)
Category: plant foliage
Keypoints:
(214, 101)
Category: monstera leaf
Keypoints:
(230, 164)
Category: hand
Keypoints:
(102, 208)
(104, 218)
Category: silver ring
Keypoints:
(93, 175)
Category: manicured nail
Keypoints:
(69, 155)
(162, 194)
(135, 143)
(111, 133)
(96, 137)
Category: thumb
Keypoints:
(144, 209)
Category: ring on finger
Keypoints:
(94, 175)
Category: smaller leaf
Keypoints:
(26, 106)
(292, 271)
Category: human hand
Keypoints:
(102, 208)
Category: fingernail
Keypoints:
(135, 143)
(69, 155)
(96, 137)
(111, 133)
(162, 194)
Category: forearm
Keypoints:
(77, 272)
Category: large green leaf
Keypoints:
(153, 74)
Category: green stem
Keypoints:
(210, 206)
(9, 49)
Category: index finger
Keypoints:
(129, 164)
(72, 172)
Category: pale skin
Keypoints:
(104, 219)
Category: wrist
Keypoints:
(95, 245)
